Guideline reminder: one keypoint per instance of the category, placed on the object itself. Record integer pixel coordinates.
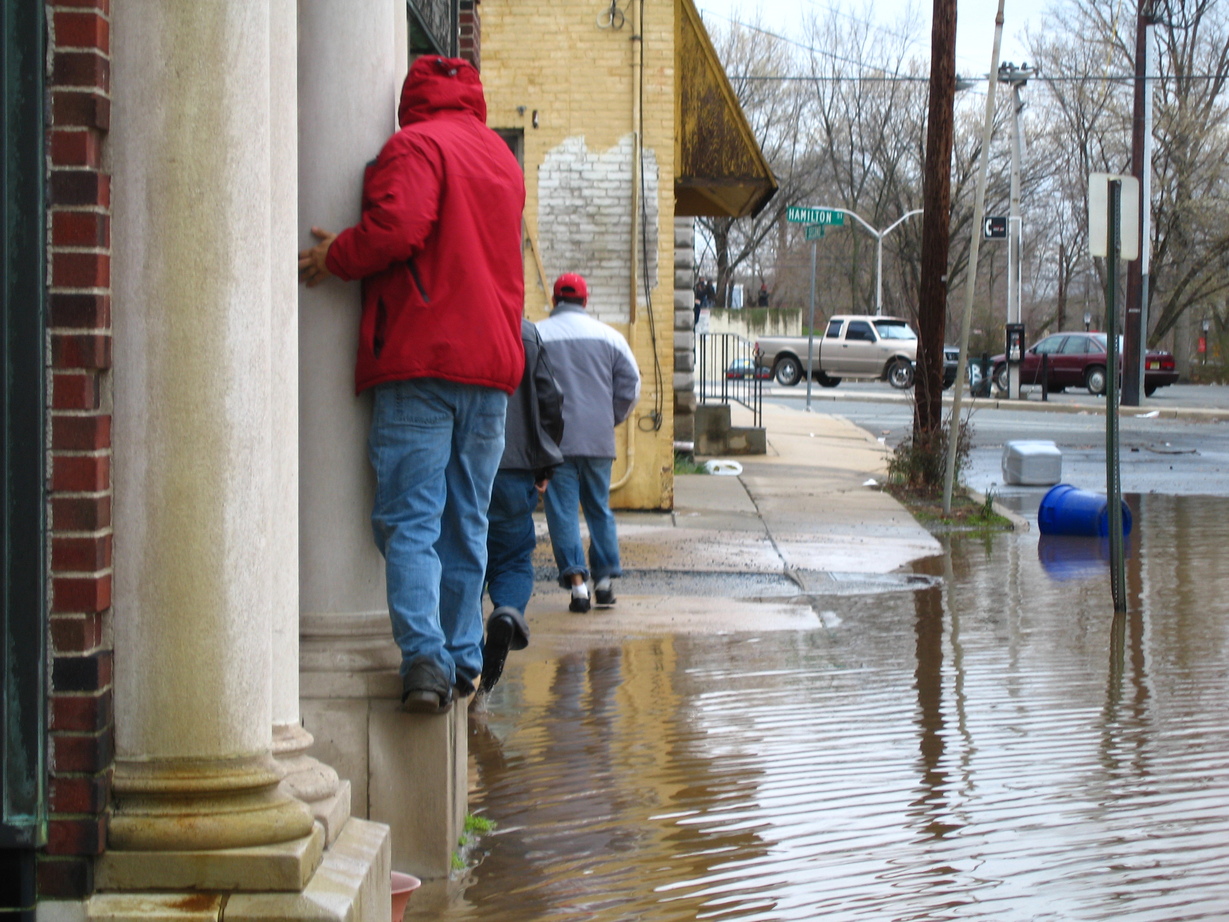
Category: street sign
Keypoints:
(1098, 215)
(830, 217)
(813, 231)
(995, 229)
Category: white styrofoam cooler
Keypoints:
(1032, 463)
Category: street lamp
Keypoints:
(1016, 78)
(879, 235)
(1087, 321)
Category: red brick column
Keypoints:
(470, 38)
(79, 321)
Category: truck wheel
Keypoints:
(1094, 380)
(900, 375)
(787, 372)
(825, 381)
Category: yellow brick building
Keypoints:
(587, 92)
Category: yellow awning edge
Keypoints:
(719, 167)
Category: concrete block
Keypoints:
(684, 426)
(284, 866)
(1032, 463)
(340, 730)
(746, 440)
(418, 767)
(153, 907)
(713, 419)
(352, 884)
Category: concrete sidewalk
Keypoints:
(752, 551)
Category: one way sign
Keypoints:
(995, 229)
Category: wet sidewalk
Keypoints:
(756, 548)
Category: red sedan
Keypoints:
(1079, 360)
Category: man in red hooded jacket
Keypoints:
(438, 250)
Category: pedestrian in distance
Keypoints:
(532, 432)
(438, 249)
(600, 380)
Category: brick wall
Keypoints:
(469, 41)
(79, 320)
(562, 73)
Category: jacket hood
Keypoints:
(436, 83)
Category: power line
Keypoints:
(875, 78)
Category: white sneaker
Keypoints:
(580, 599)
(603, 593)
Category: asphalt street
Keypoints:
(1177, 443)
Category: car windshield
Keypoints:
(894, 329)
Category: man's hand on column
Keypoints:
(312, 268)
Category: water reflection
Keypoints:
(998, 746)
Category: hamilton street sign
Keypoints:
(828, 217)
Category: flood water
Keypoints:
(998, 746)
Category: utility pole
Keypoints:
(1016, 77)
(936, 227)
(1135, 319)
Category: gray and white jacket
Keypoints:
(598, 375)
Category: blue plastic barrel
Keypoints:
(1065, 510)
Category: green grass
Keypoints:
(475, 826)
(478, 825)
(687, 464)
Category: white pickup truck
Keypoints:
(853, 346)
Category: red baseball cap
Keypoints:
(571, 287)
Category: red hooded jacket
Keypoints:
(438, 246)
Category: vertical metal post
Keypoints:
(811, 328)
(23, 596)
(1113, 481)
(1015, 238)
(878, 275)
(979, 211)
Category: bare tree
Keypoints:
(760, 67)
(1086, 62)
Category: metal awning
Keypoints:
(719, 167)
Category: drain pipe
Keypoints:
(637, 10)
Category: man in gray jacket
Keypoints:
(600, 381)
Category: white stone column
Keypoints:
(195, 468)
(352, 62)
(306, 778)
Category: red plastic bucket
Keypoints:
(1064, 510)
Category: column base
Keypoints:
(310, 780)
(351, 884)
(284, 866)
(170, 805)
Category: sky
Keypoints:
(974, 22)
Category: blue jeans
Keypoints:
(510, 542)
(583, 483)
(435, 446)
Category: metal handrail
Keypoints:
(728, 370)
